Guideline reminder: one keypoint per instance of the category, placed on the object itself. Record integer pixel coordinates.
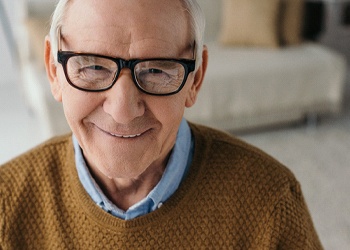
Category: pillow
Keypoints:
(250, 22)
(292, 16)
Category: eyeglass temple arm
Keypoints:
(59, 38)
(194, 50)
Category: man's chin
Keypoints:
(125, 166)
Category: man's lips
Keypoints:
(124, 135)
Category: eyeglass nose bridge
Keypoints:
(129, 64)
(126, 64)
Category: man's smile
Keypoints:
(123, 135)
(126, 136)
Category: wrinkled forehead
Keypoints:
(123, 12)
(152, 24)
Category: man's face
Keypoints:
(122, 131)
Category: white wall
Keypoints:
(7, 64)
(15, 11)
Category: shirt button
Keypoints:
(159, 205)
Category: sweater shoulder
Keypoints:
(230, 144)
(242, 163)
(43, 157)
(226, 141)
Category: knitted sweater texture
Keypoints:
(234, 197)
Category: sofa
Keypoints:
(248, 85)
(253, 84)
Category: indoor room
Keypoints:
(278, 78)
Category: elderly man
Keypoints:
(134, 173)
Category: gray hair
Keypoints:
(196, 16)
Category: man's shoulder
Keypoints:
(228, 143)
(46, 155)
(240, 160)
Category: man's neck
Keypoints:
(123, 192)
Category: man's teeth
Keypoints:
(126, 136)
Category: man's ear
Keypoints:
(198, 79)
(51, 71)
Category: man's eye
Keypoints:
(155, 71)
(95, 67)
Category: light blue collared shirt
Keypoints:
(176, 169)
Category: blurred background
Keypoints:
(299, 113)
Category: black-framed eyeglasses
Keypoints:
(94, 73)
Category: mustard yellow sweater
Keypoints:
(235, 197)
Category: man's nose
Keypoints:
(124, 101)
